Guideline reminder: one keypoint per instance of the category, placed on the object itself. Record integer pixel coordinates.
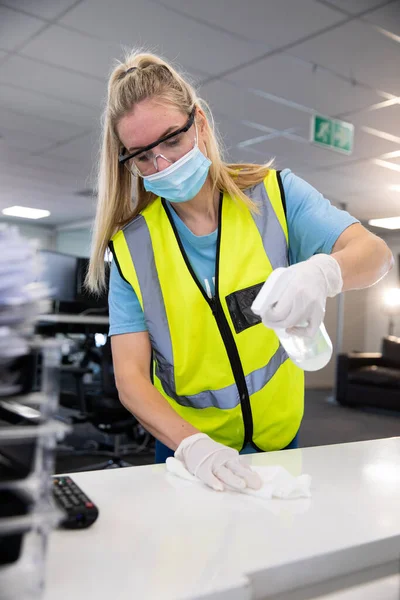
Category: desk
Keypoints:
(161, 538)
(65, 323)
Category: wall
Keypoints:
(377, 321)
(354, 333)
(45, 236)
(74, 241)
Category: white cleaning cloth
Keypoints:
(277, 482)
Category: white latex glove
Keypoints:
(294, 298)
(215, 464)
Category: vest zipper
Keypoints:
(223, 326)
(230, 344)
(236, 365)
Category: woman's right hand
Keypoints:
(215, 464)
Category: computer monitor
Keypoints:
(83, 296)
(59, 272)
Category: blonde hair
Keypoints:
(127, 86)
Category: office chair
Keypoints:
(103, 409)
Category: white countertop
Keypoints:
(159, 537)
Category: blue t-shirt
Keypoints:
(314, 225)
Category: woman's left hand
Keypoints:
(294, 298)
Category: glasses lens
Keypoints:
(172, 149)
(130, 165)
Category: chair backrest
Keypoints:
(391, 349)
(106, 408)
(107, 372)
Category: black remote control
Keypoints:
(79, 509)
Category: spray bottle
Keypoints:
(310, 354)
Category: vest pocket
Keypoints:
(239, 306)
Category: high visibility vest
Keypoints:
(215, 363)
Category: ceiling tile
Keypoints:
(74, 51)
(360, 187)
(337, 189)
(54, 130)
(231, 132)
(84, 148)
(368, 172)
(47, 9)
(297, 81)
(10, 156)
(367, 145)
(261, 154)
(387, 17)
(55, 82)
(289, 151)
(143, 24)
(39, 105)
(15, 28)
(385, 119)
(355, 6)
(253, 19)
(240, 104)
(358, 51)
(22, 140)
(20, 177)
(61, 165)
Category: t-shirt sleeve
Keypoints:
(314, 225)
(126, 315)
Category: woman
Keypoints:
(189, 258)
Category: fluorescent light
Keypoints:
(25, 212)
(388, 155)
(395, 187)
(382, 134)
(386, 164)
(388, 223)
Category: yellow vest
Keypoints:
(214, 361)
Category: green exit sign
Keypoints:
(332, 134)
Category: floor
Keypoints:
(325, 422)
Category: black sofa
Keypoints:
(369, 378)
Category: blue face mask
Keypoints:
(183, 180)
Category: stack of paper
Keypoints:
(29, 430)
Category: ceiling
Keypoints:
(264, 66)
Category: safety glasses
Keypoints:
(172, 147)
